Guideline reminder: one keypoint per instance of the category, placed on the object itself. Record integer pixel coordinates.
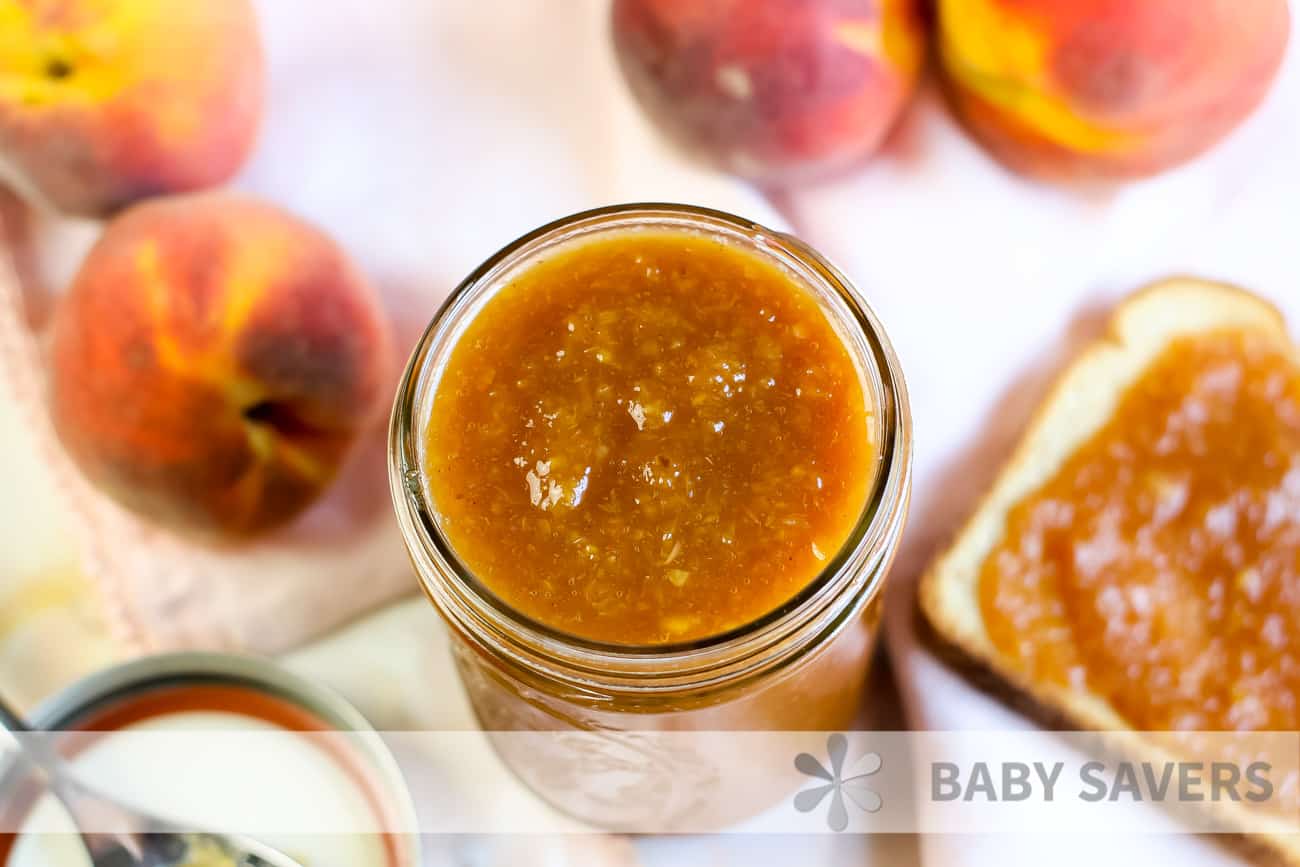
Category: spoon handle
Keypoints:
(35, 748)
(10, 720)
(87, 809)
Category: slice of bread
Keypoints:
(1082, 401)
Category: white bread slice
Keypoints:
(1080, 403)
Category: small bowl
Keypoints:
(201, 696)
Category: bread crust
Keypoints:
(1078, 404)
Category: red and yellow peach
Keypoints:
(104, 102)
(214, 361)
(778, 91)
(1072, 89)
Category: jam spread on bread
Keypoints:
(1159, 567)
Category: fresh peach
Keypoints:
(778, 91)
(104, 102)
(1079, 89)
(213, 362)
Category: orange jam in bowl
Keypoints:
(652, 463)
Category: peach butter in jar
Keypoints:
(652, 463)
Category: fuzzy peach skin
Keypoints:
(214, 361)
(1076, 89)
(104, 102)
(778, 91)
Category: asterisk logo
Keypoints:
(837, 785)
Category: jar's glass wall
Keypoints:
(800, 668)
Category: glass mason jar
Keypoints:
(801, 667)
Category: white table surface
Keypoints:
(427, 133)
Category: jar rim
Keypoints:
(880, 522)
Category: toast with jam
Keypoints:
(1135, 567)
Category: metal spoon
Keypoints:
(138, 839)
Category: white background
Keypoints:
(425, 134)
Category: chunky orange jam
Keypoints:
(649, 437)
(1160, 567)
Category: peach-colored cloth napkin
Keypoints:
(423, 136)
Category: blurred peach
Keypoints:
(214, 361)
(104, 102)
(778, 91)
(1107, 88)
